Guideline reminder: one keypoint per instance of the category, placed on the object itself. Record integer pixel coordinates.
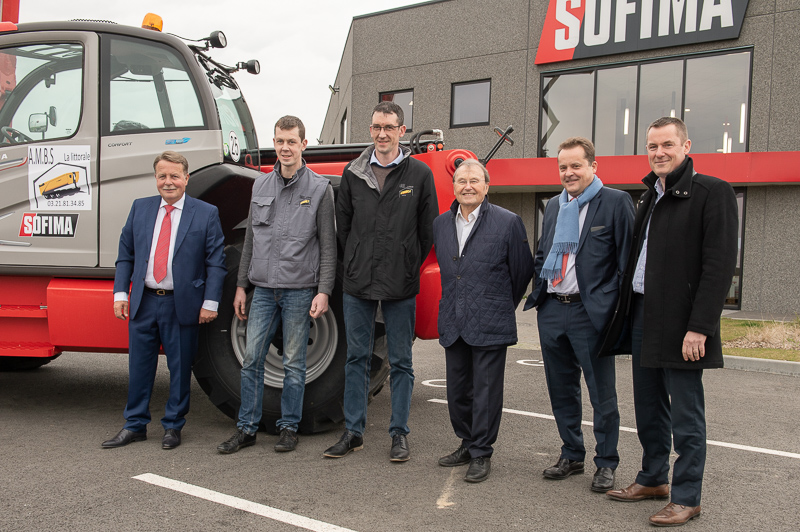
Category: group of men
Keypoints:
(595, 260)
(289, 258)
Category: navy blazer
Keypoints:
(603, 248)
(198, 261)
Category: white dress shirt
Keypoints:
(464, 227)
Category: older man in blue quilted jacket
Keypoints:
(486, 264)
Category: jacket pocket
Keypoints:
(351, 259)
(262, 210)
(411, 258)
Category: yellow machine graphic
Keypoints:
(55, 188)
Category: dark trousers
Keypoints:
(670, 409)
(569, 345)
(475, 394)
(157, 324)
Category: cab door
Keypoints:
(48, 149)
(153, 99)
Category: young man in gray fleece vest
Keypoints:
(289, 255)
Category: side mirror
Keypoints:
(37, 123)
(52, 115)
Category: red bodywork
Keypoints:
(56, 314)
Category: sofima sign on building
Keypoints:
(574, 29)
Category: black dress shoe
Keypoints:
(399, 452)
(172, 438)
(287, 442)
(123, 438)
(479, 469)
(563, 469)
(237, 441)
(347, 443)
(603, 480)
(457, 458)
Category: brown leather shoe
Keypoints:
(637, 492)
(675, 515)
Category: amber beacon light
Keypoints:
(152, 22)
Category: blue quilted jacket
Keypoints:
(482, 288)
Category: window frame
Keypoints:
(453, 99)
(638, 63)
(409, 127)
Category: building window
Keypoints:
(615, 111)
(614, 105)
(470, 103)
(343, 128)
(717, 97)
(566, 106)
(734, 298)
(404, 99)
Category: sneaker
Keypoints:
(347, 443)
(287, 442)
(457, 458)
(399, 452)
(237, 441)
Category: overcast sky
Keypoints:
(299, 44)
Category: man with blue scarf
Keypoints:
(580, 261)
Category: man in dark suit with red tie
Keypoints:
(171, 248)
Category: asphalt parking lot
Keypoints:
(54, 476)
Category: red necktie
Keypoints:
(563, 269)
(564, 261)
(162, 247)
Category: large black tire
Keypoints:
(23, 363)
(222, 344)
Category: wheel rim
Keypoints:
(323, 339)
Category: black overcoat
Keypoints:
(691, 257)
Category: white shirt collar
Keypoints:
(398, 159)
(178, 204)
(471, 216)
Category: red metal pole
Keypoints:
(9, 11)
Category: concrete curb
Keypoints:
(763, 365)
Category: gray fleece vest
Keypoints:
(284, 218)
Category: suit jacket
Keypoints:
(198, 261)
(603, 248)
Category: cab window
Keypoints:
(40, 92)
(148, 88)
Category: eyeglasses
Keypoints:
(473, 182)
(389, 129)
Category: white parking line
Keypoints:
(241, 504)
(628, 429)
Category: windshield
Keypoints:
(239, 140)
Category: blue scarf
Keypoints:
(567, 232)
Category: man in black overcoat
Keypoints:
(680, 269)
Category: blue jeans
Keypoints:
(270, 307)
(359, 322)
